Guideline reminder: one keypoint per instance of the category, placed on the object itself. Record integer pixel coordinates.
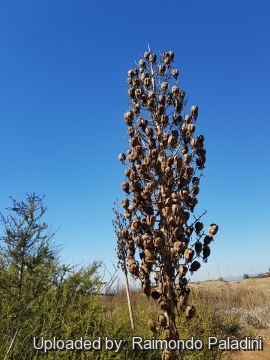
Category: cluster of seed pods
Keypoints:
(161, 189)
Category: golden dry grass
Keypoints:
(247, 302)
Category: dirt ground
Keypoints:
(260, 284)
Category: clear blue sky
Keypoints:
(63, 93)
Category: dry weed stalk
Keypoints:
(161, 191)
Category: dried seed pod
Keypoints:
(194, 111)
(149, 132)
(188, 255)
(128, 117)
(147, 82)
(151, 104)
(164, 86)
(208, 239)
(158, 242)
(170, 271)
(125, 203)
(189, 170)
(175, 73)
(151, 95)
(122, 157)
(146, 288)
(149, 256)
(146, 55)
(188, 118)
(130, 244)
(189, 231)
(195, 191)
(184, 129)
(142, 63)
(138, 241)
(182, 270)
(138, 93)
(176, 209)
(168, 172)
(130, 254)
(163, 303)
(165, 137)
(178, 105)
(172, 141)
(183, 282)
(166, 211)
(182, 94)
(192, 202)
(162, 321)
(195, 266)
(134, 268)
(135, 185)
(178, 161)
(131, 73)
(162, 69)
(127, 172)
(175, 90)
(198, 227)
(136, 225)
(131, 130)
(198, 247)
(190, 129)
(124, 234)
(143, 99)
(171, 54)
(161, 99)
(200, 163)
(181, 237)
(187, 159)
(132, 208)
(131, 93)
(146, 194)
(177, 119)
(156, 294)
(152, 58)
(164, 119)
(184, 150)
(127, 214)
(184, 195)
(183, 299)
(167, 60)
(201, 139)
(206, 252)
(133, 142)
(194, 143)
(125, 186)
(148, 242)
(150, 220)
(213, 229)
(195, 181)
(160, 109)
(152, 326)
(179, 247)
(190, 312)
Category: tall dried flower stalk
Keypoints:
(159, 243)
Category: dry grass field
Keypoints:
(235, 309)
(247, 302)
